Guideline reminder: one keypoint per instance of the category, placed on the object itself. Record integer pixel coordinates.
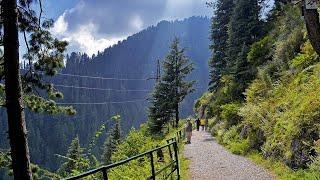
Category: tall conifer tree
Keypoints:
(219, 37)
(76, 161)
(159, 113)
(112, 141)
(244, 29)
(44, 56)
(171, 89)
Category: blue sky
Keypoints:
(92, 25)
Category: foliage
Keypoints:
(280, 116)
(218, 38)
(244, 29)
(44, 55)
(159, 112)
(75, 160)
(305, 58)
(49, 135)
(135, 143)
(288, 118)
(229, 114)
(260, 51)
(37, 172)
(112, 141)
(172, 89)
(282, 171)
(202, 103)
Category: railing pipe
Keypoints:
(104, 169)
(105, 174)
(175, 146)
(153, 177)
(117, 163)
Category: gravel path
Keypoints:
(209, 160)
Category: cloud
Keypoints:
(60, 26)
(83, 39)
(93, 25)
(136, 22)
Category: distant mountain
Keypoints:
(133, 58)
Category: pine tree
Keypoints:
(112, 141)
(176, 67)
(219, 37)
(244, 29)
(159, 113)
(75, 160)
(13, 92)
(170, 91)
(44, 56)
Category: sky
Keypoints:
(93, 25)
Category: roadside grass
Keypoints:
(184, 164)
(280, 170)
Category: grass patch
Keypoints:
(282, 171)
(184, 164)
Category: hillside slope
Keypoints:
(134, 58)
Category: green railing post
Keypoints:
(175, 146)
(174, 163)
(105, 174)
(177, 135)
(169, 148)
(152, 167)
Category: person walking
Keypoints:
(188, 131)
(202, 123)
(197, 123)
(206, 124)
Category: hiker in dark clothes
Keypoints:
(197, 123)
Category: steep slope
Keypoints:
(134, 58)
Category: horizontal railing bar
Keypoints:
(88, 173)
(173, 170)
(164, 168)
(93, 171)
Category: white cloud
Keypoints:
(136, 22)
(60, 26)
(83, 39)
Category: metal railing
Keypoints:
(174, 164)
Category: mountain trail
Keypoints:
(209, 160)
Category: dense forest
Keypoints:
(50, 135)
(264, 85)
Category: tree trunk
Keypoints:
(14, 101)
(311, 17)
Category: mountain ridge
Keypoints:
(133, 58)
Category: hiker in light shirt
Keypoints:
(188, 131)
(203, 124)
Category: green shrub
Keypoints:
(229, 114)
(306, 58)
(240, 147)
(260, 51)
(231, 135)
(288, 117)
